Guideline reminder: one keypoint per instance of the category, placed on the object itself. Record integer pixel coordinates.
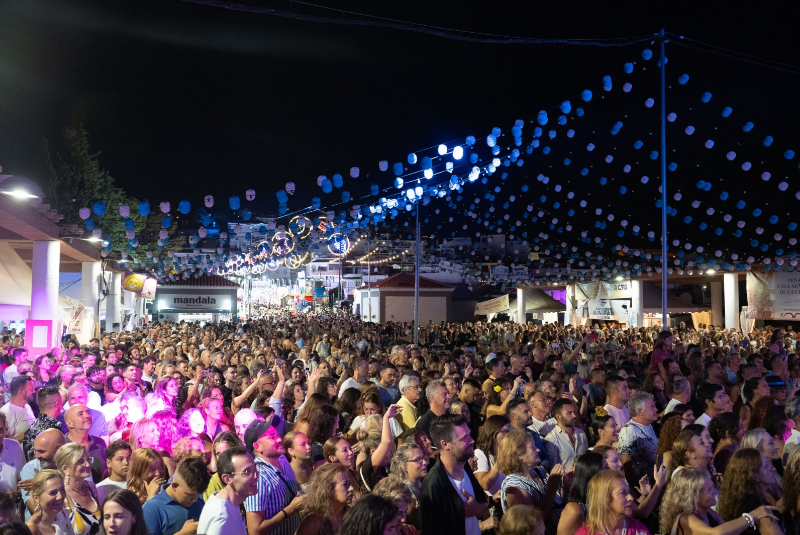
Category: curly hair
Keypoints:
(682, 495)
(724, 426)
(760, 412)
(321, 424)
(670, 429)
(167, 426)
(739, 475)
(184, 428)
(511, 448)
(791, 483)
(368, 516)
(402, 456)
(321, 489)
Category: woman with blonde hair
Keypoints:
(610, 507)
(760, 440)
(82, 503)
(410, 464)
(746, 487)
(687, 507)
(330, 491)
(146, 474)
(375, 448)
(145, 434)
(49, 516)
(395, 490)
(526, 482)
(522, 520)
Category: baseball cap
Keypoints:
(774, 380)
(257, 428)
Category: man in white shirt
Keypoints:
(567, 440)
(118, 457)
(711, 397)
(11, 459)
(19, 414)
(617, 396)
(221, 514)
(360, 375)
(540, 406)
(681, 394)
(20, 355)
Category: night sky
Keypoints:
(185, 100)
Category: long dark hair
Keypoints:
(586, 467)
(130, 502)
(320, 424)
(487, 436)
(659, 342)
(368, 516)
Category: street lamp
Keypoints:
(19, 187)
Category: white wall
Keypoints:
(402, 307)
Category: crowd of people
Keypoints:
(316, 424)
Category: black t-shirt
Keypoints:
(227, 395)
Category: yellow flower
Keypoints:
(600, 411)
(497, 388)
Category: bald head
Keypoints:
(242, 419)
(45, 446)
(78, 418)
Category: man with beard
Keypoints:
(567, 441)
(451, 499)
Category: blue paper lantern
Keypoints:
(565, 107)
(647, 54)
(166, 221)
(616, 128)
(747, 126)
(427, 163)
(373, 189)
(327, 186)
(726, 112)
(412, 159)
(628, 67)
(541, 118)
(638, 145)
(789, 154)
(89, 224)
(398, 182)
(144, 209)
(99, 208)
(607, 84)
(683, 79)
(282, 196)
(338, 181)
(705, 98)
(345, 196)
(397, 168)
(768, 141)
(184, 207)
(234, 203)
(129, 225)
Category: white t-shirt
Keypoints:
(396, 428)
(106, 487)
(11, 462)
(621, 416)
(350, 383)
(9, 374)
(220, 517)
(704, 419)
(484, 466)
(19, 418)
(471, 524)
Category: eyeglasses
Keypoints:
(420, 460)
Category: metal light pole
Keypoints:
(663, 183)
(416, 278)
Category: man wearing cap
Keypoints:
(275, 507)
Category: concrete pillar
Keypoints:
(44, 274)
(637, 304)
(128, 299)
(521, 306)
(731, 284)
(717, 312)
(113, 308)
(569, 314)
(90, 287)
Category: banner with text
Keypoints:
(498, 304)
(773, 295)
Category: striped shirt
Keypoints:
(275, 491)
